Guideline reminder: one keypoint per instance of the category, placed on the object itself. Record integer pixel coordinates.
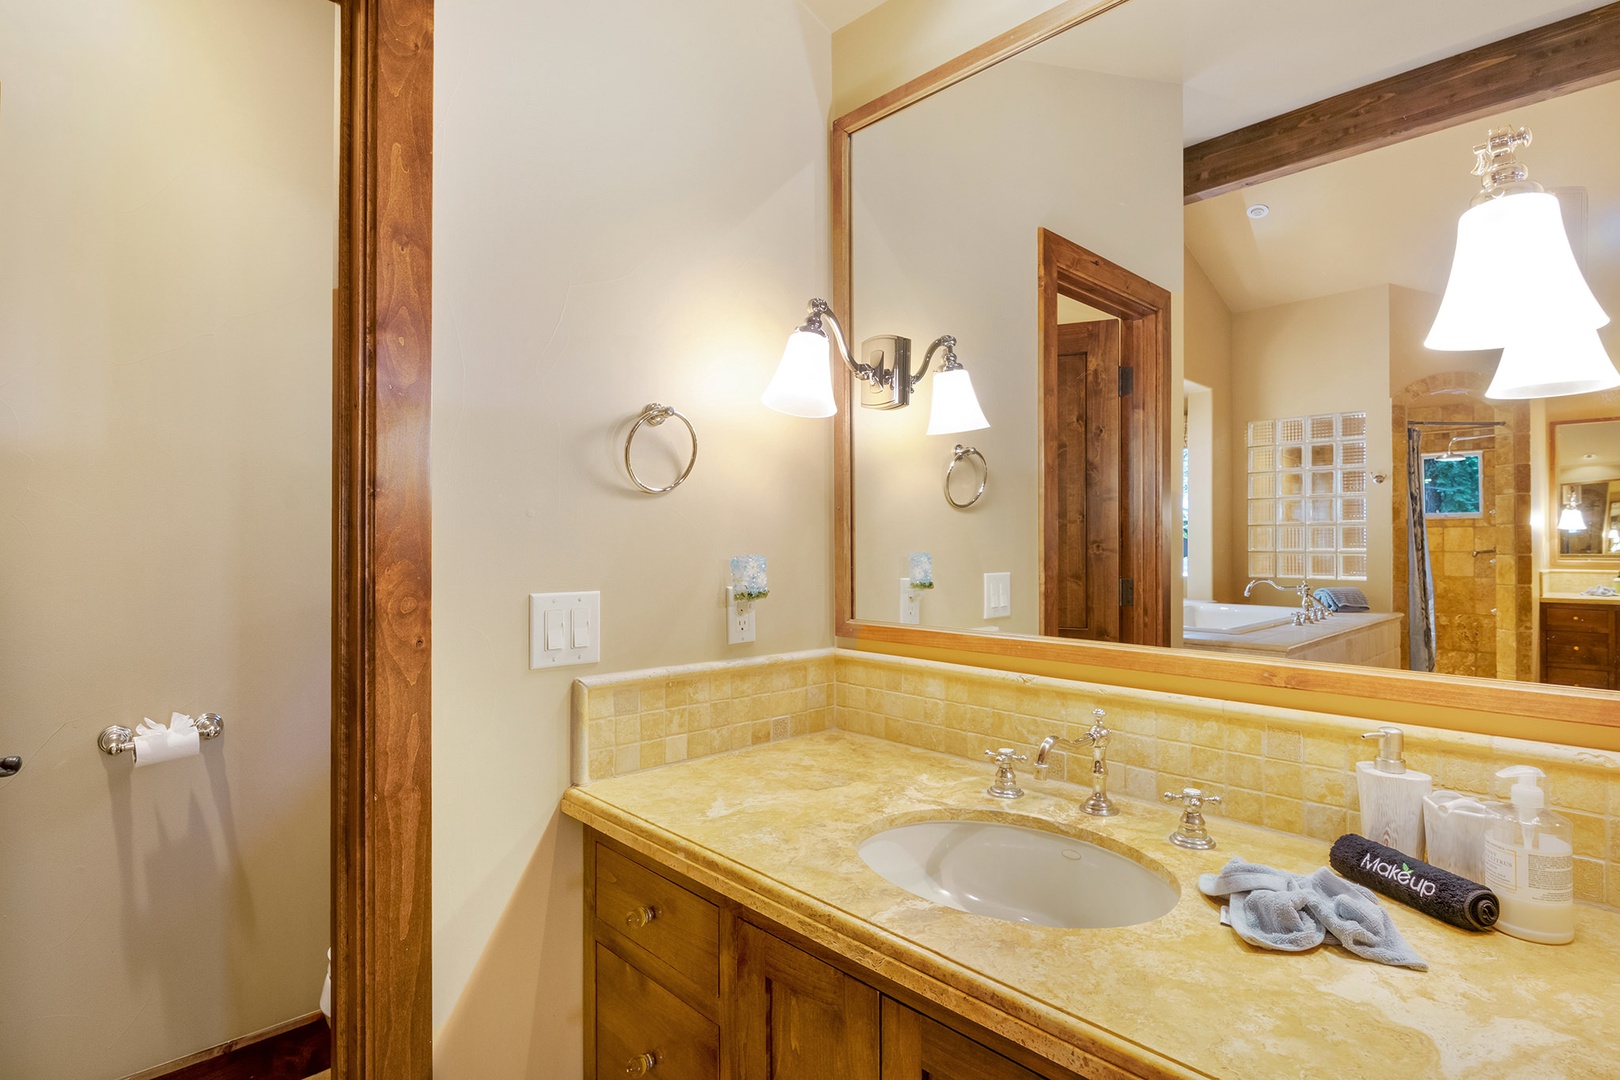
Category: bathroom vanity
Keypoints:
(1578, 642)
(733, 929)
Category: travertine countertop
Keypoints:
(1578, 598)
(777, 826)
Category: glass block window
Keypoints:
(1307, 497)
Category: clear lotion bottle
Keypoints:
(1392, 796)
(1529, 863)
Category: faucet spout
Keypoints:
(1249, 588)
(1096, 740)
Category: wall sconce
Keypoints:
(1514, 285)
(1572, 520)
(802, 385)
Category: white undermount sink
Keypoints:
(1018, 874)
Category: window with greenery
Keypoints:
(1453, 485)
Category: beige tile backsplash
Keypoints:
(1284, 769)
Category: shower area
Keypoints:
(1462, 576)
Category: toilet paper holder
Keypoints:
(116, 739)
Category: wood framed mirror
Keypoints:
(1531, 65)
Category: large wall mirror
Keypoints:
(1293, 434)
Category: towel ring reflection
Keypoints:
(984, 475)
(654, 415)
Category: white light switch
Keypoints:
(998, 595)
(564, 629)
(556, 618)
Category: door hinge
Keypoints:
(1127, 592)
(1127, 381)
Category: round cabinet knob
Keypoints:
(642, 1064)
(640, 917)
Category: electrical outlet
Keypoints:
(998, 595)
(739, 620)
(910, 603)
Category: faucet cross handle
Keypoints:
(1190, 831)
(1005, 785)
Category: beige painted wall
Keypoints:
(626, 210)
(166, 198)
(1330, 354)
(901, 39)
(1206, 336)
(948, 197)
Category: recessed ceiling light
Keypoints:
(1259, 210)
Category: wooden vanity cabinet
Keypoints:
(1579, 647)
(684, 984)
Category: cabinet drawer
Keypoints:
(1589, 617)
(635, 1017)
(1591, 678)
(670, 922)
(1575, 648)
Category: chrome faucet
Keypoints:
(1310, 608)
(1249, 588)
(1097, 738)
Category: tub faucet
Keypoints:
(1249, 588)
(1097, 738)
(1311, 608)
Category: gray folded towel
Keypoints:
(1273, 909)
(1344, 599)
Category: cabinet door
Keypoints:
(792, 1017)
(917, 1048)
(644, 1030)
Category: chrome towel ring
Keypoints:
(984, 475)
(654, 415)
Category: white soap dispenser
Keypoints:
(1529, 863)
(1392, 796)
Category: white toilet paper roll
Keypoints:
(161, 746)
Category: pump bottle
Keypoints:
(1392, 795)
(1529, 863)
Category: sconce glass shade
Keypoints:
(1554, 364)
(1513, 274)
(1571, 520)
(955, 406)
(802, 385)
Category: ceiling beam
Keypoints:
(1561, 57)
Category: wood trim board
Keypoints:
(293, 1050)
(382, 553)
(1556, 59)
(1559, 58)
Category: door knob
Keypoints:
(10, 765)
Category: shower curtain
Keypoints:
(1419, 574)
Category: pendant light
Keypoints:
(1553, 364)
(1572, 520)
(1514, 284)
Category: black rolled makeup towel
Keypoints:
(1433, 891)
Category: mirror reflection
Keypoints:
(1586, 470)
(1331, 489)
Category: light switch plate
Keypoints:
(998, 595)
(910, 603)
(575, 624)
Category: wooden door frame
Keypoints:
(1143, 310)
(1555, 59)
(382, 546)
